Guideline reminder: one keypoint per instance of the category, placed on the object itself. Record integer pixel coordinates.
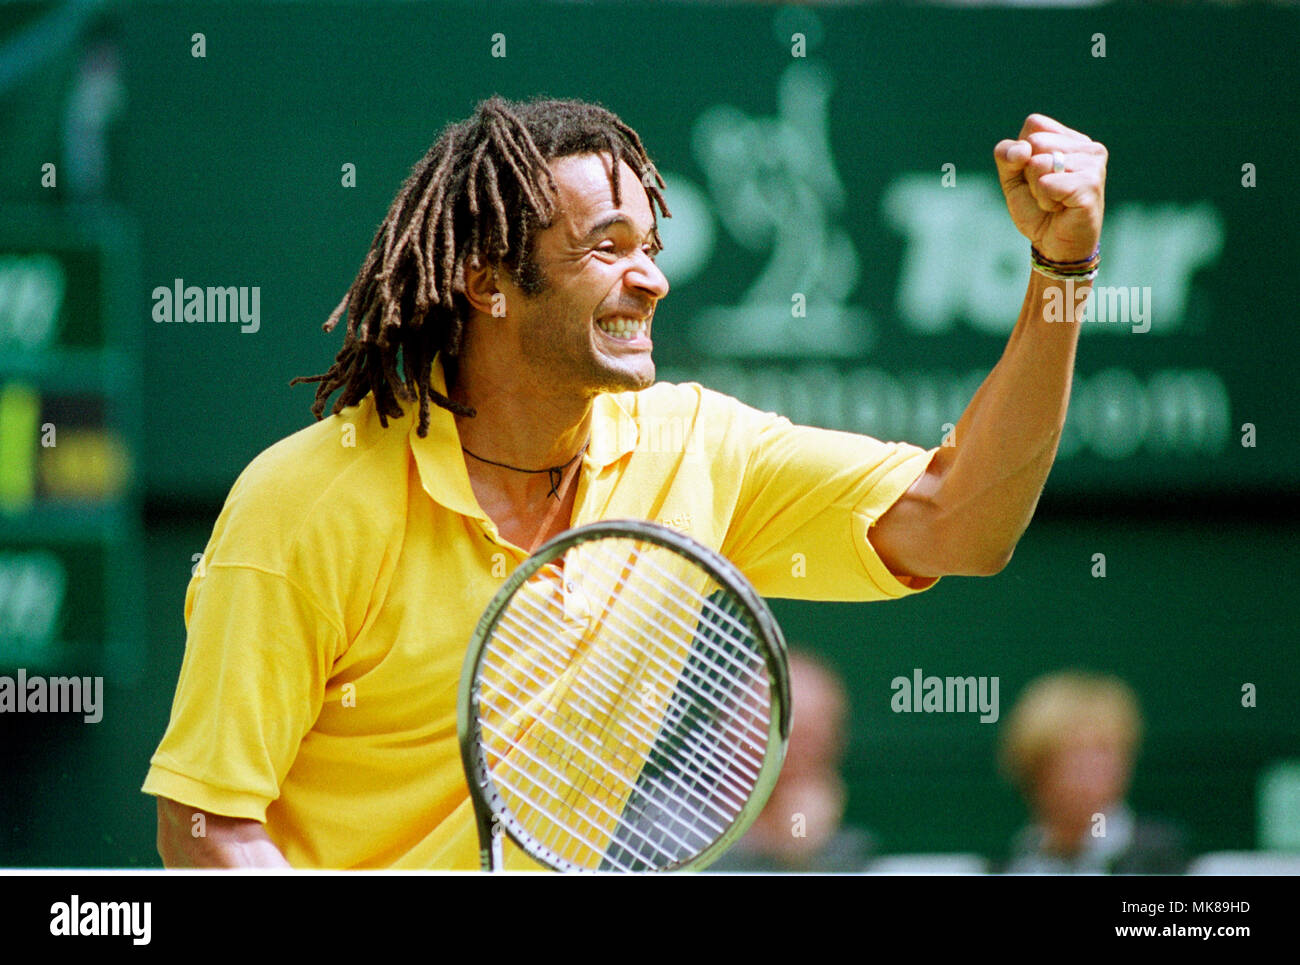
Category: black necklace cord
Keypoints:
(557, 472)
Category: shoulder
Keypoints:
(715, 433)
(345, 472)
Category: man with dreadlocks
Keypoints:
(496, 387)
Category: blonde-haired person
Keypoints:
(1069, 744)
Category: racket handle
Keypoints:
(489, 841)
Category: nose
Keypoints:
(645, 275)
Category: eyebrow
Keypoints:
(602, 226)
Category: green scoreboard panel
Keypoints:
(70, 535)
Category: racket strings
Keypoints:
(685, 627)
(697, 765)
(701, 761)
(591, 705)
(595, 800)
(692, 682)
(737, 683)
(565, 823)
(625, 738)
(616, 624)
(716, 777)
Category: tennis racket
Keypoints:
(624, 705)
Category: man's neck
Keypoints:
(520, 425)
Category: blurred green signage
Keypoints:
(839, 252)
(69, 414)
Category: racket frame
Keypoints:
(491, 813)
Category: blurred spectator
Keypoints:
(1069, 744)
(800, 829)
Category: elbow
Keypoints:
(178, 844)
(987, 554)
(966, 554)
(981, 563)
(163, 841)
(922, 537)
(169, 849)
(993, 563)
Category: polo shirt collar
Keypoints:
(614, 431)
(438, 456)
(441, 465)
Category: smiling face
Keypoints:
(590, 328)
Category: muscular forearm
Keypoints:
(990, 479)
(968, 510)
(215, 842)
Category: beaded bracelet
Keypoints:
(1084, 270)
(1038, 255)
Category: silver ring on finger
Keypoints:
(1058, 162)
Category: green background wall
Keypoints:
(227, 171)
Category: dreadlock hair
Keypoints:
(479, 195)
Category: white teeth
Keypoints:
(622, 328)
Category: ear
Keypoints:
(481, 285)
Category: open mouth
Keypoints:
(624, 328)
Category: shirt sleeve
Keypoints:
(807, 501)
(258, 654)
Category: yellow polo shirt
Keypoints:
(329, 619)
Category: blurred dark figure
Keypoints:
(799, 829)
(1069, 744)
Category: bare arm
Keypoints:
(224, 842)
(965, 514)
